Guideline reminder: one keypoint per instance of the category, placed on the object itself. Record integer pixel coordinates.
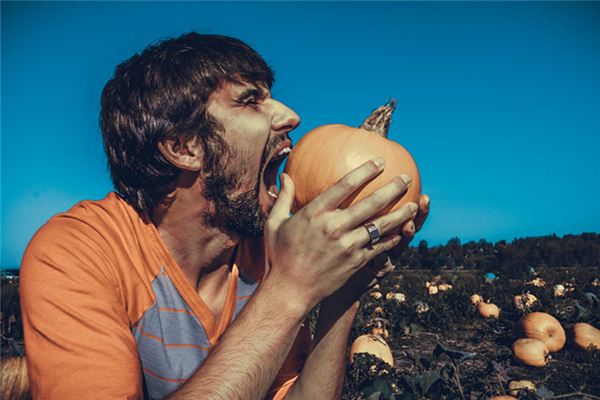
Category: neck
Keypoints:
(202, 252)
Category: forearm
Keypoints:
(245, 362)
(323, 373)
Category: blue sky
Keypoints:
(498, 102)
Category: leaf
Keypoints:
(410, 382)
(379, 390)
(544, 393)
(427, 380)
(454, 354)
(375, 396)
(582, 312)
(404, 396)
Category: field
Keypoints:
(451, 352)
(448, 351)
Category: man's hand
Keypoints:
(314, 252)
(368, 276)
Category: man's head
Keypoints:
(164, 95)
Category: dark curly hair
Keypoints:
(162, 93)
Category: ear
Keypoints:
(184, 155)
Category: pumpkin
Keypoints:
(443, 287)
(516, 386)
(531, 352)
(488, 310)
(523, 302)
(559, 290)
(378, 310)
(327, 153)
(503, 397)
(374, 345)
(585, 335)
(421, 307)
(476, 299)
(544, 327)
(379, 327)
(376, 295)
(397, 297)
(539, 282)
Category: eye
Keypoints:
(251, 101)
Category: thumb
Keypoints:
(283, 204)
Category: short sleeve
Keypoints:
(78, 340)
(293, 364)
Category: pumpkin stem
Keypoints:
(380, 118)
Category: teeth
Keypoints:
(273, 195)
(284, 151)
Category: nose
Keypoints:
(284, 118)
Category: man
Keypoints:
(194, 281)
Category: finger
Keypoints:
(386, 244)
(408, 233)
(384, 224)
(380, 266)
(423, 213)
(283, 203)
(408, 230)
(374, 202)
(348, 184)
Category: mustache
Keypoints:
(272, 145)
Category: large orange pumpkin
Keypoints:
(544, 327)
(327, 153)
(585, 335)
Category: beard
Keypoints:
(239, 213)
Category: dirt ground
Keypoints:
(451, 352)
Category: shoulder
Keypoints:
(82, 237)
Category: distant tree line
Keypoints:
(515, 258)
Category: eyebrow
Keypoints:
(251, 92)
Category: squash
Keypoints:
(544, 327)
(327, 153)
(374, 345)
(503, 397)
(376, 295)
(539, 282)
(488, 310)
(432, 289)
(585, 335)
(531, 352)
(397, 297)
(476, 299)
(559, 290)
(523, 302)
(516, 386)
(444, 287)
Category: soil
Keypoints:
(451, 352)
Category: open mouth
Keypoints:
(269, 175)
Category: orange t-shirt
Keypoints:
(107, 312)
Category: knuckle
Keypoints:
(360, 258)
(346, 183)
(332, 230)
(346, 246)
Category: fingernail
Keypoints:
(413, 207)
(407, 179)
(380, 162)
